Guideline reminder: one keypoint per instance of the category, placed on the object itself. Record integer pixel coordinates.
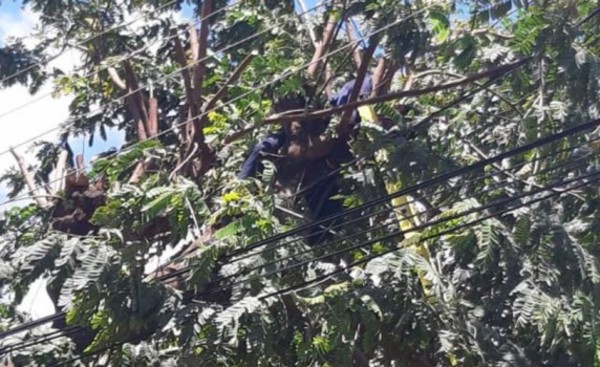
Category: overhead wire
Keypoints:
(514, 152)
(83, 42)
(253, 90)
(343, 268)
(579, 127)
(497, 203)
(163, 78)
(390, 209)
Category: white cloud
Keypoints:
(12, 25)
(34, 119)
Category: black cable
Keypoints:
(425, 184)
(41, 339)
(414, 229)
(495, 186)
(323, 277)
(368, 258)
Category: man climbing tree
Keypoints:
(262, 210)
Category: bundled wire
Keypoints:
(160, 79)
(239, 255)
(245, 94)
(578, 182)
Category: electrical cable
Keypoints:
(494, 186)
(321, 278)
(581, 127)
(430, 182)
(83, 42)
(354, 247)
(163, 78)
(283, 75)
(437, 179)
(295, 231)
(439, 234)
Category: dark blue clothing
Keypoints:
(341, 97)
(253, 164)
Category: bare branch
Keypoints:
(200, 69)
(284, 117)
(185, 72)
(345, 123)
(356, 55)
(152, 117)
(59, 172)
(232, 79)
(194, 46)
(79, 163)
(114, 76)
(323, 45)
(138, 172)
(136, 103)
(29, 181)
(378, 77)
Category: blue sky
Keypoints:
(16, 21)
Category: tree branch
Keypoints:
(356, 55)
(232, 79)
(135, 102)
(194, 46)
(152, 117)
(345, 123)
(378, 77)
(29, 181)
(200, 68)
(322, 46)
(185, 72)
(114, 75)
(284, 117)
(60, 171)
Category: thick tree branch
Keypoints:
(356, 55)
(29, 181)
(194, 46)
(185, 72)
(200, 68)
(345, 123)
(284, 117)
(59, 172)
(378, 77)
(135, 102)
(322, 46)
(114, 76)
(232, 79)
(152, 117)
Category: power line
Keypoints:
(82, 43)
(163, 78)
(283, 75)
(74, 330)
(433, 181)
(124, 58)
(389, 209)
(466, 225)
(515, 151)
(366, 259)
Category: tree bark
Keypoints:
(29, 181)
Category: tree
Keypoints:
(504, 270)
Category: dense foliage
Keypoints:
(519, 288)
